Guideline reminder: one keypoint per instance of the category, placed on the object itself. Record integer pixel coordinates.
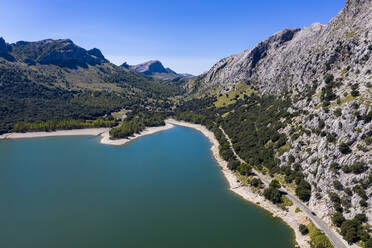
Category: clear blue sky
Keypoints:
(188, 36)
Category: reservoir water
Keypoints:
(162, 190)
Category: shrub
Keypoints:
(348, 191)
(354, 90)
(321, 124)
(360, 191)
(256, 182)
(275, 184)
(338, 219)
(334, 197)
(331, 137)
(273, 194)
(328, 78)
(344, 148)
(303, 229)
(346, 169)
(233, 164)
(369, 242)
(335, 166)
(338, 112)
(352, 230)
(245, 169)
(358, 167)
(337, 184)
(303, 191)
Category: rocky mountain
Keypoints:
(156, 69)
(63, 53)
(56, 79)
(291, 58)
(326, 72)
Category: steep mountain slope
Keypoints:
(156, 69)
(56, 79)
(292, 58)
(326, 73)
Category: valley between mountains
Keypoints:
(292, 115)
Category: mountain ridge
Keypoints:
(156, 69)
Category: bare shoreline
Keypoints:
(103, 132)
(291, 218)
(105, 137)
(73, 132)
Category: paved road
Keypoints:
(316, 220)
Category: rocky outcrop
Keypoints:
(156, 69)
(150, 67)
(292, 58)
(4, 50)
(63, 53)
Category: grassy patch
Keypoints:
(348, 99)
(227, 113)
(350, 35)
(286, 202)
(298, 210)
(284, 149)
(344, 71)
(237, 93)
(318, 238)
(318, 106)
(243, 179)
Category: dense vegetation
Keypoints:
(135, 123)
(252, 123)
(34, 96)
(62, 125)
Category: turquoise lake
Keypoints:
(162, 190)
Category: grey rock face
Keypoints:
(156, 69)
(293, 60)
(150, 67)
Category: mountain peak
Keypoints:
(156, 69)
(357, 7)
(150, 67)
(62, 52)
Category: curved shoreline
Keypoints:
(105, 137)
(73, 132)
(103, 132)
(291, 218)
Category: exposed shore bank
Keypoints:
(103, 132)
(105, 137)
(73, 132)
(291, 218)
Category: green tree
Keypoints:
(256, 182)
(344, 148)
(245, 169)
(303, 229)
(275, 184)
(273, 194)
(338, 219)
(303, 191)
(369, 243)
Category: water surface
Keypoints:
(162, 190)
